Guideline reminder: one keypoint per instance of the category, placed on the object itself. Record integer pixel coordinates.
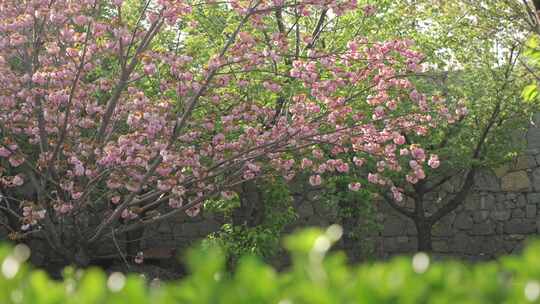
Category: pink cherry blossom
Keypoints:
(397, 194)
(373, 178)
(306, 163)
(175, 202)
(418, 153)
(433, 161)
(149, 69)
(355, 186)
(358, 161)
(128, 214)
(4, 152)
(64, 208)
(76, 195)
(227, 195)
(16, 160)
(399, 140)
(420, 174)
(164, 185)
(17, 180)
(315, 180)
(139, 258)
(369, 10)
(113, 184)
(343, 168)
(169, 127)
(411, 178)
(193, 211)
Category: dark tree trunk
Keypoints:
(251, 211)
(423, 224)
(350, 221)
(347, 241)
(423, 228)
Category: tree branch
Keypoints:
(397, 207)
(176, 130)
(456, 200)
(316, 32)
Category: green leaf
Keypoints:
(533, 42)
(533, 55)
(530, 92)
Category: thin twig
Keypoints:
(119, 250)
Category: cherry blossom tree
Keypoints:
(119, 114)
(475, 54)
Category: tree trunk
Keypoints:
(423, 229)
(252, 210)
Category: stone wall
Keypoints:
(501, 212)
(495, 219)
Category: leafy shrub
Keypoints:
(313, 278)
(355, 211)
(261, 240)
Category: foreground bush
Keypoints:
(313, 278)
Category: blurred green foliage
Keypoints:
(314, 277)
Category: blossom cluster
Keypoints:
(209, 123)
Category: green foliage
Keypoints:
(263, 239)
(530, 92)
(532, 54)
(314, 277)
(352, 206)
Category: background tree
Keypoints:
(473, 53)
